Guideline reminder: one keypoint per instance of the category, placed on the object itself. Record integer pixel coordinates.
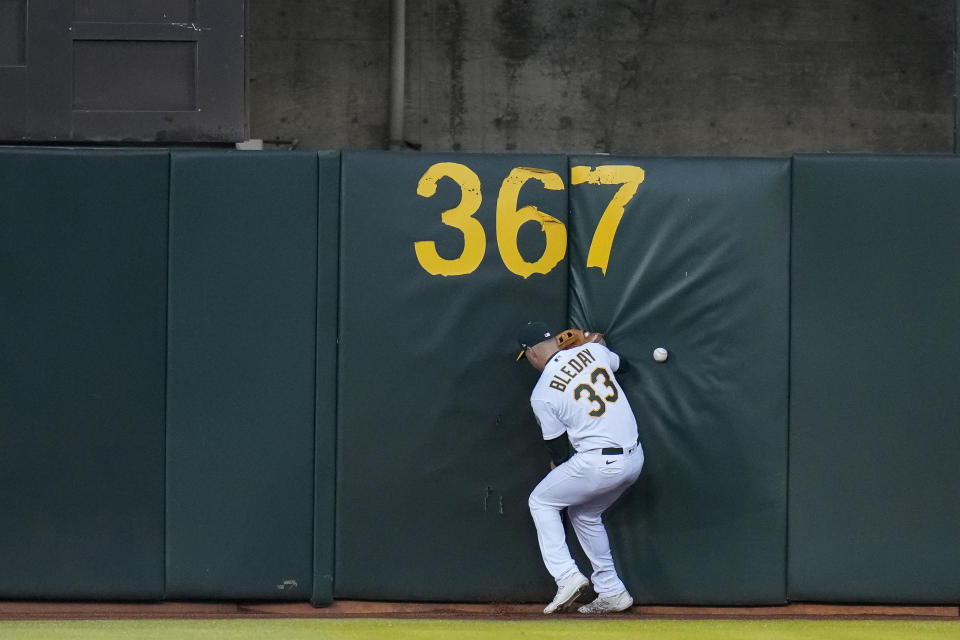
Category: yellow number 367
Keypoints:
(510, 218)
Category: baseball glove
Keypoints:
(575, 337)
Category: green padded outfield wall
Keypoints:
(699, 265)
(223, 446)
(437, 447)
(875, 393)
(241, 375)
(83, 275)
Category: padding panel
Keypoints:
(241, 377)
(83, 275)
(437, 446)
(698, 265)
(874, 437)
(328, 269)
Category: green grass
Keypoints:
(555, 629)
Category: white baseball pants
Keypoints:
(585, 485)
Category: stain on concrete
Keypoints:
(516, 39)
(622, 82)
(451, 17)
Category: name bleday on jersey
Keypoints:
(578, 363)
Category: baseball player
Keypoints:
(578, 398)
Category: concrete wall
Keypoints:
(690, 77)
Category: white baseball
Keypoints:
(660, 354)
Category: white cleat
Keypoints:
(609, 604)
(567, 592)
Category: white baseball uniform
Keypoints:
(577, 393)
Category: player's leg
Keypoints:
(587, 522)
(559, 489)
(610, 481)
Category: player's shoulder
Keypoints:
(597, 345)
(596, 348)
(542, 387)
(600, 354)
(542, 384)
(540, 398)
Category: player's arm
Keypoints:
(624, 367)
(559, 449)
(554, 431)
(618, 364)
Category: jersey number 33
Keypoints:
(584, 390)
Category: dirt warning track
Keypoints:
(17, 610)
